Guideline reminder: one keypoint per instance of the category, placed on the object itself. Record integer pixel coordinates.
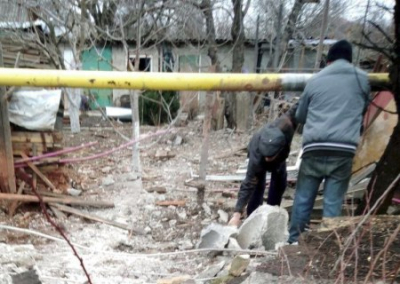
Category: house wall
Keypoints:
(120, 64)
(185, 53)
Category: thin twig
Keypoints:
(366, 217)
(385, 248)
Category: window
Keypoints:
(144, 63)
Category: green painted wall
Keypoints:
(92, 60)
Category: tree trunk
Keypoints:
(7, 175)
(388, 166)
(290, 27)
(134, 96)
(218, 106)
(232, 110)
(206, 6)
(74, 99)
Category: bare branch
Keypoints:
(246, 8)
(378, 27)
(384, 51)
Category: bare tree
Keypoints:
(388, 167)
(55, 23)
(238, 39)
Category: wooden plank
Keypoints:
(7, 174)
(57, 213)
(48, 193)
(72, 201)
(97, 219)
(34, 177)
(39, 173)
(27, 148)
(171, 203)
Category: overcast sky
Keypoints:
(357, 9)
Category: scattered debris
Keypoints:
(223, 216)
(98, 219)
(106, 170)
(27, 277)
(257, 277)
(211, 271)
(164, 155)
(158, 189)
(176, 280)
(206, 209)
(178, 140)
(107, 181)
(74, 192)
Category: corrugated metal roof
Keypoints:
(13, 11)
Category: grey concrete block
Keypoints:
(265, 227)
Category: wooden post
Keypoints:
(7, 174)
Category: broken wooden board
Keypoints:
(178, 203)
(157, 189)
(97, 218)
(39, 173)
(69, 200)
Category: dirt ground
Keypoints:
(112, 255)
(374, 254)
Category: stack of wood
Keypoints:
(36, 143)
(28, 57)
(29, 144)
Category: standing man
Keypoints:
(331, 109)
(267, 151)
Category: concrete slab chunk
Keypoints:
(212, 271)
(216, 236)
(233, 244)
(265, 227)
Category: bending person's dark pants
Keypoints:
(276, 188)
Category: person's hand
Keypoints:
(235, 220)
